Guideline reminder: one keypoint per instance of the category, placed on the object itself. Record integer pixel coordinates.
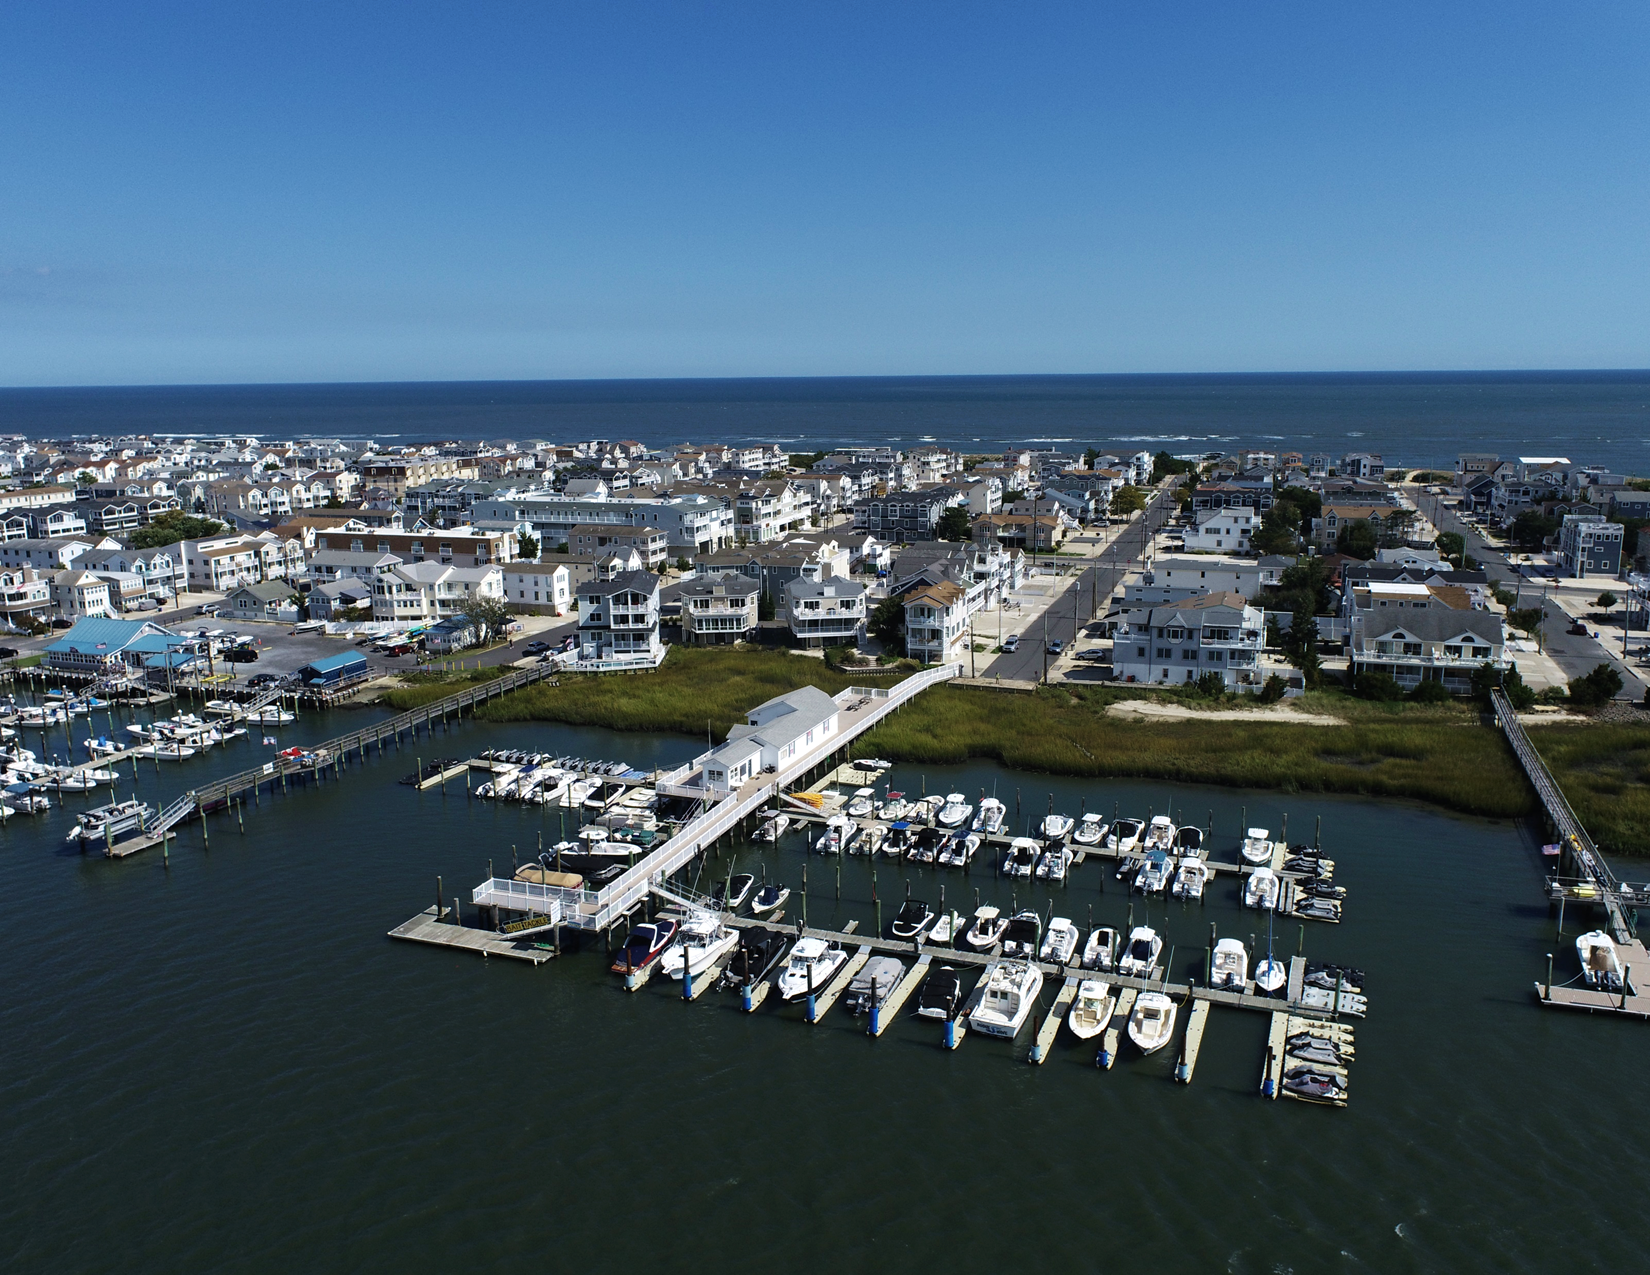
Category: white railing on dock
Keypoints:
(525, 896)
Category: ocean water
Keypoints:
(1409, 418)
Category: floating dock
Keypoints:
(440, 931)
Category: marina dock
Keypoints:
(442, 931)
(1052, 1022)
(1195, 1024)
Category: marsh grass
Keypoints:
(425, 686)
(1604, 770)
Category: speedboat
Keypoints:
(103, 746)
(1124, 835)
(1091, 831)
(166, 750)
(1101, 949)
(701, 941)
(926, 847)
(899, 839)
(74, 781)
(1153, 877)
(1230, 965)
(1020, 859)
(1600, 966)
(874, 983)
(861, 803)
(1160, 834)
(1006, 1001)
(271, 716)
(839, 834)
(986, 931)
(106, 821)
(1055, 827)
(769, 897)
(1152, 1023)
(759, 951)
(956, 852)
(730, 895)
(1060, 941)
(773, 827)
(948, 929)
(644, 946)
(1261, 889)
(914, 919)
(1140, 955)
(1055, 863)
(991, 816)
(1257, 848)
(1023, 934)
(1189, 840)
(1091, 1010)
(813, 964)
(954, 813)
(940, 994)
(1190, 879)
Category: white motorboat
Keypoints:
(1257, 847)
(987, 929)
(840, 833)
(22, 797)
(1189, 879)
(861, 803)
(1230, 965)
(1006, 1001)
(1023, 934)
(954, 813)
(948, 929)
(1020, 860)
(1600, 966)
(957, 851)
(105, 821)
(270, 715)
(869, 840)
(896, 808)
(1153, 877)
(699, 944)
(166, 750)
(1101, 950)
(1140, 954)
(1160, 834)
(1091, 831)
(1124, 835)
(773, 827)
(1152, 1023)
(75, 780)
(813, 964)
(992, 814)
(1091, 1010)
(1055, 863)
(1261, 889)
(1270, 975)
(1060, 942)
(1055, 827)
(928, 809)
(103, 746)
(768, 898)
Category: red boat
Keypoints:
(643, 946)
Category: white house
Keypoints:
(936, 622)
(1222, 530)
(825, 612)
(619, 619)
(418, 592)
(1180, 641)
(774, 733)
(80, 593)
(539, 588)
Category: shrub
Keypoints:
(1595, 688)
(1211, 684)
(1274, 690)
(1431, 693)
(1377, 686)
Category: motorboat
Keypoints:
(768, 898)
(103, 746)
(1091, 831)
(701, 941)
(1189, 879)
(644, 945)
(773, 827)
(760, 949)
(1006, 1001)
(987, 929)
(896, 842)
(74, 780)
(1271, 975)
(1320, 889)
(1152, 1024)
(108, 821)
(1600, 966)
(925, 848)
(955, 812)
(957, 851)
(1091, 1009)
(1060, 942)
(813, 964)
(869, 840)
(1020, 859)
(840, 832)
(1160, 834)
(1055, 827)
(1140, 954)
(1153, 877)
(1261, 889)
(928, 808)
(271, 716)
(874, 763)
(166, 750)
(914, 919)
(1189, 840)
(1229, 967)
(896, 807)
(1055, 863)
(25, 798)
(941, 992)
(862, 803)
(730, 895)
(948, 929)
(1257, 846)
(596, 870)
(1124, 835)
(1023, 934)
(991, 817)
(1100, 951)
(873, 985)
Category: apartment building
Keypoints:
(1589, 545)
(593, 541)
(397, 473)
(619, 619)
(458, 547)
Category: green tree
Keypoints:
(887, 625)
(1606, 600)
(805, 460)
(1430, 692)
(1211, 684)
(1600, 686)
(488, 614)
(1274, 689)
(1531, 529)
(1128, 500)
(170, 527)
(683, 565)
(953, 525)
(1516, 689)
(1357, 540)
(85, 478)
(1452, 544)
(765, 606)
(1526, 619)
(528, 544)
(1279, 528)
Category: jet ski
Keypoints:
(1318, 1051)
(1315, 1085)
(1335, 978)
(1322, 909)
(1302, 1040)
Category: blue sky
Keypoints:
(311, 192)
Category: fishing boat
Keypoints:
(74, 780)
(947, 929)
(730, 895)
(861, 803)
(103, 746)
(1124, 835)
(1140, 954)
(1257, 848)
(701, 941)
(1060, 942)
(1055, 827)
(1189, 879)
(895, 808)
(773, 827)
(1091, 1010)
(1055, 863)
(992, 814)
(813, 964)
(1600, 966)
(896, 842)
(271, 716)
(940, 994)
(1023, 934)
(760, 949)
(1160, 834)
(1006, 1001)
(1020, 859)
(840, 832)
(768, 898)
(1153, 877)
(1091, 830)
(957, 851)
(643, 946)
(25, 798)
(1152, 1023)
(987, 929)
(869, 840)
(925, 848)
(955, 812)
(166, 750)
(874, 983)
(1101, 949)
(913, 920)
(1229, 967)
(1261, 889)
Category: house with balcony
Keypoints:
(1222, 530)
(936, 622)
(720, 608)
(1426, 643)
(905, 517)
(266, 600)
(1180, 641)
(421, 592)
(593, 541)
(24, 591)
(79, 593)
(768, 511)
(619, 620)
(1589, 545)
(826, 612)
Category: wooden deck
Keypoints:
(425, 928)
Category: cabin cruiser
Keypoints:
(1230, 965)
(1055, 863)
(1124, 835)
(1600, 966)
(1256, 846)
(862, 803)
(986, 931)
(643, 946)
(1006, 1001)
(954, 813)
(1140, 955)
(1060, 942)
(1091, 1010)
(873, 985)
(1091, 831)
(773, 827)
(759, 951)
(105, 821)
(1261, 889)
(769, 897)
(1160, 834)
(1020, 859)
(1189, 879)
(926, 847)
(940, 994)
(701, 941)
(1152, 1023)
(1153, 877)
(914, 919)
(1055, 827)
(1101, 950)
(840, 833)
(956, 852)
(1022, 934)
(730, 895)
(991, 817)
(813, 964)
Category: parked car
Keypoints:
(8, 652)
(241, 654)
(208, 608)
(1578, 629)
(263, 679)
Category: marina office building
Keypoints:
(772, 735)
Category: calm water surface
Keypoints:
(224, 1065)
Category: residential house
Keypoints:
(540, 588)
(48, 555)
(905, 517)
(79, 593)
(936, 622)
(24, 591)
(337, 564)
(422, 592)
(1589, 545)
(826, 612)
(719, 608)
(593, 541)
(262, 600)
(774, 733)
(334, 599)
(1430, 643)
(458, 546)
(619, 619)
(1181, 641)
(1038, 533)
(1222, 530)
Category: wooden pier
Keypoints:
(1111, 1041)
(1052, 1021)
(427, 927)
(1195, 1024)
